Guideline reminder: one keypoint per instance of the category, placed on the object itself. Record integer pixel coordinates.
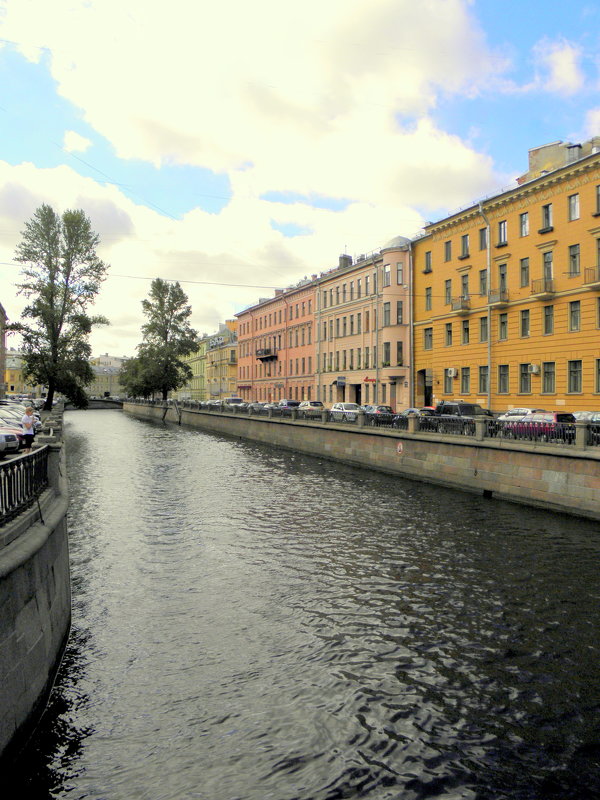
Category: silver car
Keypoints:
(344, 412)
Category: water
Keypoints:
(254, 624)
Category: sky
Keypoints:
(240, 147)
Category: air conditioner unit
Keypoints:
(534, 369)
(452, 372)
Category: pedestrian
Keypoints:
(28, 425)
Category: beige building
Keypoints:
(363, 329)
(195, 389)
(221, 362)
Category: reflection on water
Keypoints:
(250, 623)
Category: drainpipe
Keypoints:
(318, 339)
(377, 318)
(488, 255)
(411, 333)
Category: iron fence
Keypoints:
(22, 479)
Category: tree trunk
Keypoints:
(49, 396)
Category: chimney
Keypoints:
(278, 292)
(345, 261)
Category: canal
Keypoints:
(254, 624)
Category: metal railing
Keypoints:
(22, 479)
(489, 428)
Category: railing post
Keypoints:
(294, 414)
(360, 419)
(413, 422)
(480, 429)
(270, 413)
(324, 416)
(581, 435)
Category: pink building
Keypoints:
(276, 352)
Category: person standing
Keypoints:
(28, 425)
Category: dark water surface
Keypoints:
(252, 624)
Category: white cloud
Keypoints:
(559, 63)
(592, 123)
(73, 142)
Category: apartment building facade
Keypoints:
(506, 303)
(221, 362)
(277, 346)
(363, 329)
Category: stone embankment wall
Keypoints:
(35, 604)
(563, 478)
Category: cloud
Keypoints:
(74, 143)
(559, 65)
(592, 122)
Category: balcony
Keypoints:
(591, 278)
(266, 354)
(498, 298)
(461, 305)
(542, 288)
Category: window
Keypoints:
(399, 354)
(366, 358)
(351, 290)
(447, 251)
(386, 355)
(427, 261)
(483, 380)
(574, 315)
(574, 264)
(387, 275)
(399, 312)
(546, 218)
(337, 295)
(448, 334)
(330, 329)
(548, 319)
(366, 322)
(548, 265)
(483, 238)
(598, 199)
(447, 292)
(525, 322)
(428, 338)
(524, 379)
(465, 380)
(343, 293)
(447, 382)
(574, 377)
(597, 375)
(358, 323)
(464, 246)
(343, 359)
(351, 324)
(483, 329)
(502, 240)
(573, 207)
(359, 288)
(548, 377)
(503, 326)
(337, 327)
(386, 314)
(344, 326)
(367, 279)
(465, 331)
(428, 298)
(524, 272)
(503, 382)
(358, 358)
(464, 286)
(399, 273)
(524, 224)
(502, 277)
(483, 282)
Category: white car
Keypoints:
(344, 412)
(518, 413)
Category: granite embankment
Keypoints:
(35, 592)
(561, 477)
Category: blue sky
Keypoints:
(254, 154)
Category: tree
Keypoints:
(61, 279)
(167, 338)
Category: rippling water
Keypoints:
(254, 624)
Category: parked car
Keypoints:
(310, 409)
(10, 441)
(255, 406)
(378, 415)
(288, 403)
(229, 402)
(458, 416)
(344, 412)
(519, 413)
(544, 426)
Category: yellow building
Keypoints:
(506, 303)
(221, 362)
(195, 388)
(14, 378)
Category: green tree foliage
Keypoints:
(168, 337)
(61, 278)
